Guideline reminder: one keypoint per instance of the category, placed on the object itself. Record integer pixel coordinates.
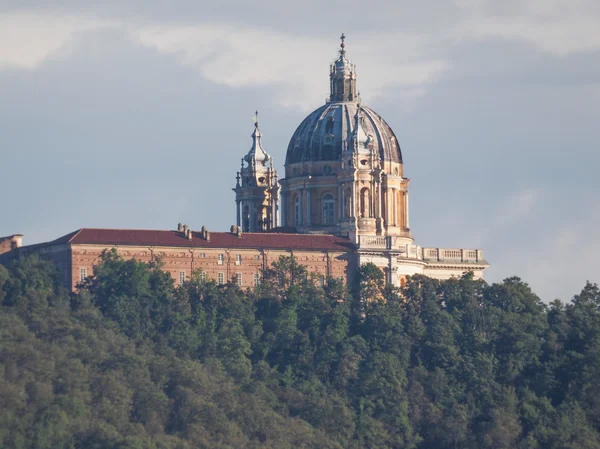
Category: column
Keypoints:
(283, 209)
(380, 203)
(394, 204)
(252, 218)
(308, 220)
(340, 203)
(406, 208)
(275, 200)
(384, 203)
(300, 220)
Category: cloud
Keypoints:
(241, 57)
(564, 257)
(29, 39)
(553, 26)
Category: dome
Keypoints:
(335, 126)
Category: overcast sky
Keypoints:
(135, 114)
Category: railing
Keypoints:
(410, 251)
(453, 255)
(368, 241)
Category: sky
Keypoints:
(135, 114)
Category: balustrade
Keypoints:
(409, 251)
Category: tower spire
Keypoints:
(257, 188)
(342, 77)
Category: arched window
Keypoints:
(365, 199)
(328, 209)
(298, 211)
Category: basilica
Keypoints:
(343, 201)
(344, 176)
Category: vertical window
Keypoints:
(322, 281)
(221, 278)
(298, 211)
(246, 219)
(328, 209)
(203, 276)
(256, 279)
(365, 200)
(82, 274)
(181, 277)
(238, 259)
(238, 279)
(202, 255)
(220, 259)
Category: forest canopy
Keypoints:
(133, 361)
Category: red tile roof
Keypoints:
(123, 237)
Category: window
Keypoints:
(82, 274)
(202, 255)
(328, 209)
(238, 259)
(298, 212)
(181, 277)
(322, 281)
(365, 200)
(220, 259)
(221, 278)
(256, 279)
(203, 276)
(238, 279)
(257, 257)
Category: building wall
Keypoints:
(310, 181)
(181, 262)
(444, 272)
(9, 243)
(60, 254)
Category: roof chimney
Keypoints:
(179, 227)
(185, 230)
(238, 231)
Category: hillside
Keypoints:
(133, 361)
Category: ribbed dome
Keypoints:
(326, 131)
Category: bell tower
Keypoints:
(257, 188)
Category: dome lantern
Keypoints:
(342, 77)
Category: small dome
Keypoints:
(324, 134)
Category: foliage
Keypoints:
(133, 361)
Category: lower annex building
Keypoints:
(342, 202)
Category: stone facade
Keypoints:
(11, 242)
(344, 175)
(344, 202)
(219, 256)
(257, 189)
